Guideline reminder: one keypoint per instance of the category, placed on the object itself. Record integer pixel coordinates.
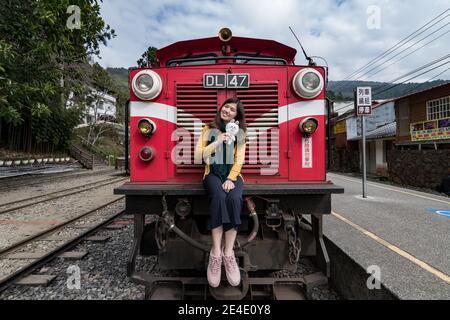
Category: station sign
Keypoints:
(363, 101)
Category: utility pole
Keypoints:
(364, 177)
(363, 108)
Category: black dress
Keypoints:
(225, 208)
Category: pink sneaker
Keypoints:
(214, 270)
(232, 270)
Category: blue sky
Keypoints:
(334, 29)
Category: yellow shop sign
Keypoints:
(431, 130)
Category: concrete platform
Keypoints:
(396, 231)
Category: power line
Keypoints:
(429, 80)
(398, 46)
(409, 79)
(367, 72)
(440, 36)
(418, 69)
(403, 57)
(393, 48)
(407, 74)
(397, 84)
(410, 40)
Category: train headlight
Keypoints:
(311, 81)
(147, 84)
(146, 154)
(308, 126)
(146, 127)
(144, 82)
(308, 83)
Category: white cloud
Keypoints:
(334, 29)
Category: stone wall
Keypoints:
(418, 168)
(343, 160)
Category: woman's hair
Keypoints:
(240, 115)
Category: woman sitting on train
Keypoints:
(224, 185)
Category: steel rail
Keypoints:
(19, 182)
(25, 270)
(43, 233)
(95, 185)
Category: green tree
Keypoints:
(331, 95)
(42, 61)
(101, 85)
(148, 58)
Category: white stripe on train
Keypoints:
(285, 113)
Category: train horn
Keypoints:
(225, 34)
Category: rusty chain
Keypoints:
(294, 246)
(161, 233)
(162, 227)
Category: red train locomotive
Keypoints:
(284, 168)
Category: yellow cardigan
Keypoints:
(204, 151)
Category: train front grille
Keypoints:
(197, 106)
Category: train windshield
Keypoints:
(191, 60)
(257, 59)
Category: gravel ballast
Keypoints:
(103, 272)
(20, 224)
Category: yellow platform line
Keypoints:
(395, 249)
(392, 189)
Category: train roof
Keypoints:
(196, 47)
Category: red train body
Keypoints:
(284, 169)
(273, 109)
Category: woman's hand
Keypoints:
(228, 186)
(221, 138)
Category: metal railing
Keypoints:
(83, 157)
(102, 156)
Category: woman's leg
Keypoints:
(213, 272)
(219, 214)
(234, 205)
(230, 238)
(218, 210)
(217, 241)
(229, 260)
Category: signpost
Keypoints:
(363, 108)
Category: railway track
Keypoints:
(19, 182)
(23, 203)
(23, 266)
(103, 270)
